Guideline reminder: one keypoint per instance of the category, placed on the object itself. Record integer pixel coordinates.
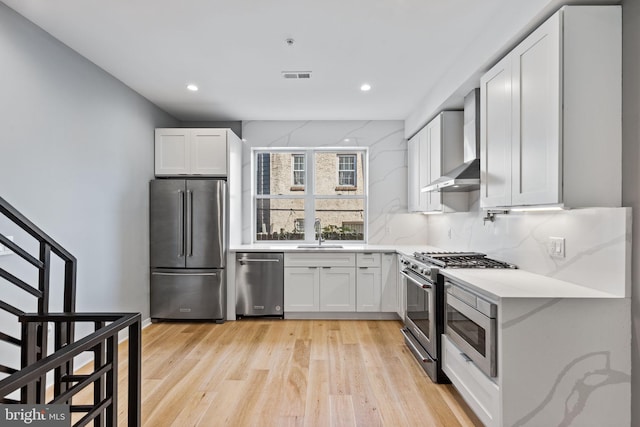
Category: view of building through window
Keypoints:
(287, 205)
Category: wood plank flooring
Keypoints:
(287, 373)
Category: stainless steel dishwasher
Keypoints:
(259, 284)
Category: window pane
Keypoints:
(298, 170)
(279, 219)
(280, 173)
(342, 219)
(337, 173)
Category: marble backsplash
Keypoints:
(597, 242)
(388, 221)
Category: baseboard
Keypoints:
(336, 315)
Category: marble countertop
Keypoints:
(494, 283)
(499, 283)
(347, 247)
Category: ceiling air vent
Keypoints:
(296, 74)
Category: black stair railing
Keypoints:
(102, 344)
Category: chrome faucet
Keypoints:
(318, 226)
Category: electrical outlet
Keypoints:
(4, 250)
(556, 247)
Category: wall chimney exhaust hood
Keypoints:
(465, 177)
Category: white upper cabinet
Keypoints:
(200, 152)
(209, 152)
(413, 177)
(436, 149)
(551, 115)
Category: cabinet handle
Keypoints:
(465, 357)
(312, 268)
(326, 267)
(363, 268)
(367, 253)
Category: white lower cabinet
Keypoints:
(319, 282)
(368, 288)
(480, 393)
(337, 289)
(341, 282)
(301, 289)
(389, 281)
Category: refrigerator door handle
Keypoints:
(183, 274)
(190, 222)
(181, 223)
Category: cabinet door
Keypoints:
(389, 292)
(413, 170)
(495, 135)
(301, 289)
(337, 289)
(434, 162)
(423, 166)
(209, 152)
(172, 152)
(402, 286)
(368, 287)
(536, 133)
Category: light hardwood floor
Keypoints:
(287, 373)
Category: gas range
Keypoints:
(427, 264)
(425, 302)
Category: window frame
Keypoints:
(295, 186)
(308, 194)
(354, 171)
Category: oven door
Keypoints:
(420, 311)
(472, 332)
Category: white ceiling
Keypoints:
(235, 50)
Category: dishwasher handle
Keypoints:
(244, 261)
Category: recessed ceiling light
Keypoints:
(365, 87)
(192, 87)
(346, 140)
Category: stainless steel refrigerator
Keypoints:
(188, 241)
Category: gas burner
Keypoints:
(460, 260)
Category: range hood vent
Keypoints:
(465, 177)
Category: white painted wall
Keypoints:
(630, 174)
(389, 222)
(76, 155)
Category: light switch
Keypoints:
(556, 247)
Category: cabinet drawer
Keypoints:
(333, 259)
(480, 393)
(368, 259)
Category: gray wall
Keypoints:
(631, 177)
(76, 155)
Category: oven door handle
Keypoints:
(416, 280)
(409, 340)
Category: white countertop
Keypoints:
(502, 283)
(494, 283)
(347, 247)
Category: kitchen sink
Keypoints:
(315, 246)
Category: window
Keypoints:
(298, 170)
(346, 170)
(293, 188)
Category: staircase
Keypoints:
(27, 384)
